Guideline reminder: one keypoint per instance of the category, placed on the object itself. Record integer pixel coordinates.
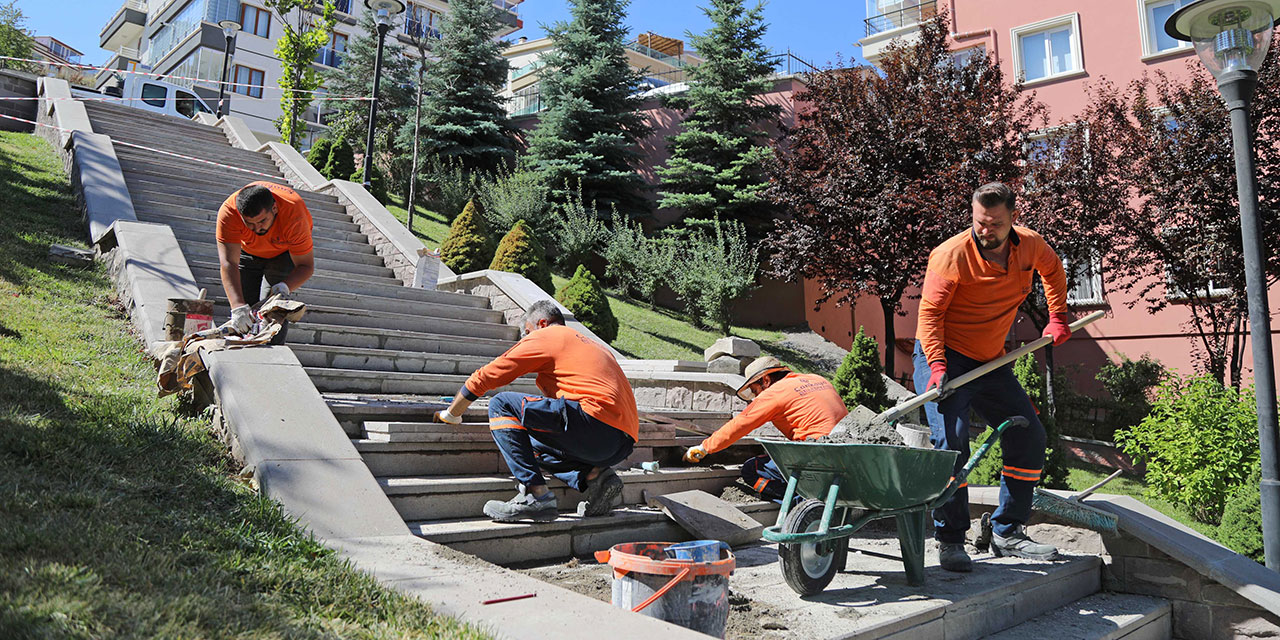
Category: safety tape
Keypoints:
(162, 76)
(119, 98)
(138, 146)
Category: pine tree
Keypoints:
(469, 245)
(520, 252)
(858, 380)
(592, 126)
(583, 296)
(462, 115)
(717, 159)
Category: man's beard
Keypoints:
(989, 245)
(263, 232)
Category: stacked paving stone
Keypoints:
(730, 355)
(385, 356)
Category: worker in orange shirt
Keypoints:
(802, 406)
(973, 287)
(263, 231)
(587, 422)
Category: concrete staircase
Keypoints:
(385, 356)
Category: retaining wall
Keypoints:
(17, 84)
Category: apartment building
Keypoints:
(660, 60)
(181, 38)
(1057, 47)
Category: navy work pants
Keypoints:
(763, 475)
(555, 434)
(995, 397)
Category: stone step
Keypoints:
(130, 114)
(1101, 616)
(449, 497)
(230, 178)
(385, 359)
(206, 229)
(394, 290)
(132, 131)
(567, 536)
(199, 235)
(307, 332)
(328, 259)
(223, 164)
(441, 317)
(196, 196)
(478, 454)
(202, 149)
(225, 183)
(319, 225)
(323, 280)
(470, 431)
(433, 384)
(337, 302)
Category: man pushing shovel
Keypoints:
(973, 286)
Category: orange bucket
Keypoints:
(694, 595)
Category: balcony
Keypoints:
(329, 57)
(656, 55)
(123, 58)
(419, 30)
(125, 27)
(901, 22)
(342, 6)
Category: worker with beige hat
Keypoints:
(802, 406)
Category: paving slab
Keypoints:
(1101, 616)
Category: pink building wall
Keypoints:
(1111, 46)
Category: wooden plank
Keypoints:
(708, 517)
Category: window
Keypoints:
(1154, 13)
(248, 81)
(331, 55)
(256, 21)
(421, 22)
(1085, 285)
(1047, 49)
(963, 56)
(185, 103)
(154, 94)
(1207, 271)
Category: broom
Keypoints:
(1073, 510)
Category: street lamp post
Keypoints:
(1232, 37)
(384, 11)
(229, 29)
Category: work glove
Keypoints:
(241, 321)
(444, 416)
(939, 376)
(280, 289)
(1057, 328)
(695, 454)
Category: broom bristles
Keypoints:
(1075, 512)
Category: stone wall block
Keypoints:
(725, 364)
(650, 396)
(1237, 623)
(732, 346)
(1191, 620)
(1126, 546)
(1161, 578)
(679, 398)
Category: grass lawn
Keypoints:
(120, 514)
(430, 226)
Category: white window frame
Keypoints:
(1149, 31)
(1016, 34)
(961, 57)
(1094, 276)
(1175, 294)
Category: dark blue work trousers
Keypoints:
(995, 397)
(535, 433)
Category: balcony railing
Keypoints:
(516, 74)
(343, 6)
(329, 57)
(525, 104)
(509, 7)
(655, 54)
(904, 17)
(420, 30)
(789, 63)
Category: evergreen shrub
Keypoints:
(521, 252)
(858, 380)
(1241, 528)
(583, 296)
(341, 161)
(318, 155)
(377, 184)
(452, 187)
(469, 245)
(1129, 383)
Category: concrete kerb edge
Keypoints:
(407, 244)
(101, 182)
(237, 132)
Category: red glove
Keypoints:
(939, 375)
(1057, 328)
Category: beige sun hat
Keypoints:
(759, 368)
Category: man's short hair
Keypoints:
(253, 200)
(994, 193)
(544, 310)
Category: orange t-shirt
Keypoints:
(969, 303)
(290, 232)
(571, 366)
(802, 406)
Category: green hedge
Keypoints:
(586, 300)
(469, 245)
(521, 252)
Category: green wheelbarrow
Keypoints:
(847, 486)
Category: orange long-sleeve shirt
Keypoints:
(969, 303)
(802, 406)
(571, 366)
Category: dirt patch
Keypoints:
(737, 493)
(464, 559)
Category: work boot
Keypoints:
(523, 507)
(1018, 545)
(953, 557)
(602, 494)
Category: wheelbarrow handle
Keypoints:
(936, 393)
(963, 475)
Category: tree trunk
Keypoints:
(1050, 405)
(413, 165)
(890, 335)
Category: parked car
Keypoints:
(154, 95)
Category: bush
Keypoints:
(510, 196)
(638, 264)
(318, 155)
(469, 245)
(1241, 529)
(583, 296)
(1129, 383)
(377, 185)
(1199, 443)
(579, 230)
(1054, 475)
(341, 162)
(711, 270)
(858, 379)
(520, 252)
(452, 187)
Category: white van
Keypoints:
(158, 96)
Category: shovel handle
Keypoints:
(935, 394)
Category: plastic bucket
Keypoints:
(689, 593)
(914, 436)
(696, 551)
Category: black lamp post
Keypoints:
(229, 29)
(384, 11)
(1232, 37)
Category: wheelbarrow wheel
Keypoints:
(809, 567)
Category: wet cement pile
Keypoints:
(862, 427)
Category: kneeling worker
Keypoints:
(587, 423)
(802, 406)
(263, 230)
